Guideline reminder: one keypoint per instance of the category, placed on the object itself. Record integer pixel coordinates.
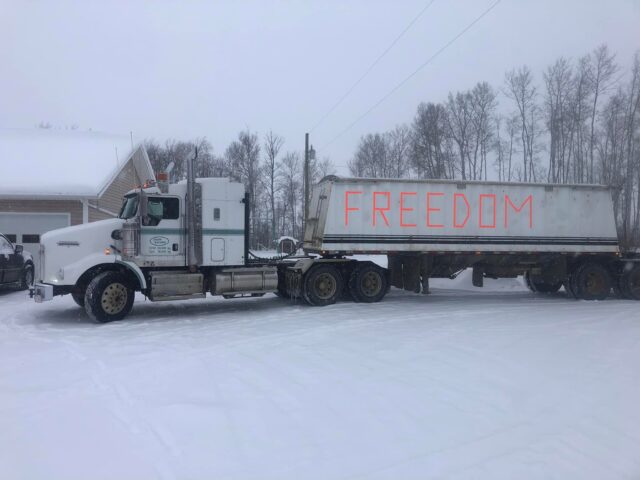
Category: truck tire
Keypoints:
(368, 283)
(109, 297)
(591, 281)
(78, 298)
(540, 286)
(629, 284)
(567, 288)
(26, 280)
(322, 285)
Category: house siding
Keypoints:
(72, 207)
(127, 179)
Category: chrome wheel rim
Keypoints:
(371, 284)
(114, 298)
(325, 286)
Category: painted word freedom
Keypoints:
(492, 209)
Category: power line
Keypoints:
(410, 76)
(380, 57)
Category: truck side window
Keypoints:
(216, 214)
(161, 209)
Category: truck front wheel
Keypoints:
(108, 297)
(368, 283)
(78, 298)
(322, 286)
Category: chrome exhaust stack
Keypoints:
(194, 216)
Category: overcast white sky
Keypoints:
(187, 69)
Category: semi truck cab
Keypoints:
(170, 241)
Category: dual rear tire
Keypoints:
(628, 286)
(589, 280)
(324, 284)
(538, 285)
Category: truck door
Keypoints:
(162, 235)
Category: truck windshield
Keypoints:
(129, 207)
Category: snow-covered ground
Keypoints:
(463, 383)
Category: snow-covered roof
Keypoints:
(285, 237)
(64, 163)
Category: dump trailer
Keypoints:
(188, 239)
(554, 235)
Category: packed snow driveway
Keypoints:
(458, 384)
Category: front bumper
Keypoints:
(41, 292)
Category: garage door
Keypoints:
(26, 228)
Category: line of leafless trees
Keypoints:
(272, 176)
(578, 123)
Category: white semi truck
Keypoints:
(184, 240)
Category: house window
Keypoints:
(12, 237)
(30, 238)
(216, 214)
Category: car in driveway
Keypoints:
(16, 265)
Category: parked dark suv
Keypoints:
(16, 265)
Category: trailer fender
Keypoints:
(136, 271)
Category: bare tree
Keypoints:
(243, 156)
(460, 128)
(430, 131)
(603, 68)
(290, 183)
(559, 83)
(371, 157)
(398, 145)
(519, 87)
(483, 105)
(631, 135)
(505, 148)
(272, 145)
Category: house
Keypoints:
(55, 178)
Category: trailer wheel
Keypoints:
(540, 286)
(630, 283)
(368, 283)
(527, 281)
(569, 289)
(322, 285)
(591, 281)
(109, 297)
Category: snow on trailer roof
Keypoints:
(337, 179)
(65, 163)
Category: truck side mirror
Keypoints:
(19, 249)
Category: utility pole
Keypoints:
(309, 154)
